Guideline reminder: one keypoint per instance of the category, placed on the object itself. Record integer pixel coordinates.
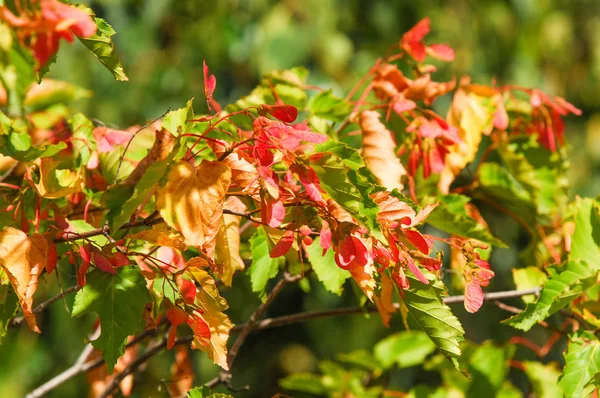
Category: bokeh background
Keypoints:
(550, 44)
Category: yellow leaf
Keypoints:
(243, 173)
(192, 201)
(472, 114)
(378, 150)
(364, 277)
(23, 258)
(227, 250)
(161, 235)
(57, 183)
(219, 324)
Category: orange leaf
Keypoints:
(243, 173)
(227, 250)
(192, 201)
(24, 259)
(219, 324)
(161, 235)
(384, 303)
(378, 151)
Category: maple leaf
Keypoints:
(227, 249)
(378, 151)
(119, 299)
(24, 258)
(283, 245)
(285, 113)
(213, 305)
(192, 201)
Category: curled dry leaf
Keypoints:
(192, 201)
(55, 183)
(227, 250)
(24, 258)
(214, 306)
(378, 151)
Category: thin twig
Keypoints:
(67, 374)
(42, 306)
(254, 326)
(133, 136)
(149, 221)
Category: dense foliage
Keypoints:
(292, 183)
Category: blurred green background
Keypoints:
(550, 44)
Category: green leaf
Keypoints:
(565, 283)
(582, 364)
(55, 92)
(83, 140)
(119, 300)
(102, 46)
(586, 237)
(263, 267)
(304, 382)
(177, 121)
(498, 185)
(336, 180)
(109, 164)
(426, 308)
(405, 349)
(327, 271)
(541, 172)
(488, 368)
(450, 216)
(120, 212)
(204, 392)
(528, 278)
(328, 106)
(17, 145)
(17, 73)
(350, 156)
(9, 304)
(543, 378)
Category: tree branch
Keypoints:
(149, 221)
(42, 306)
(251, 326)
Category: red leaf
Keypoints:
(85, 253)
(412, 266)
(210, 82)
(432, 264)
(176, 316)
(352, 253)
(325, 235)
(81, 273)
(51, 257)
(285, 113)
(272, 212)
(283, 246)
(411, 41)
(118, 260)
(417, 240)
(188, 291)
(441, 51)
(102, 262)
(473, 296)
(200, 328)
